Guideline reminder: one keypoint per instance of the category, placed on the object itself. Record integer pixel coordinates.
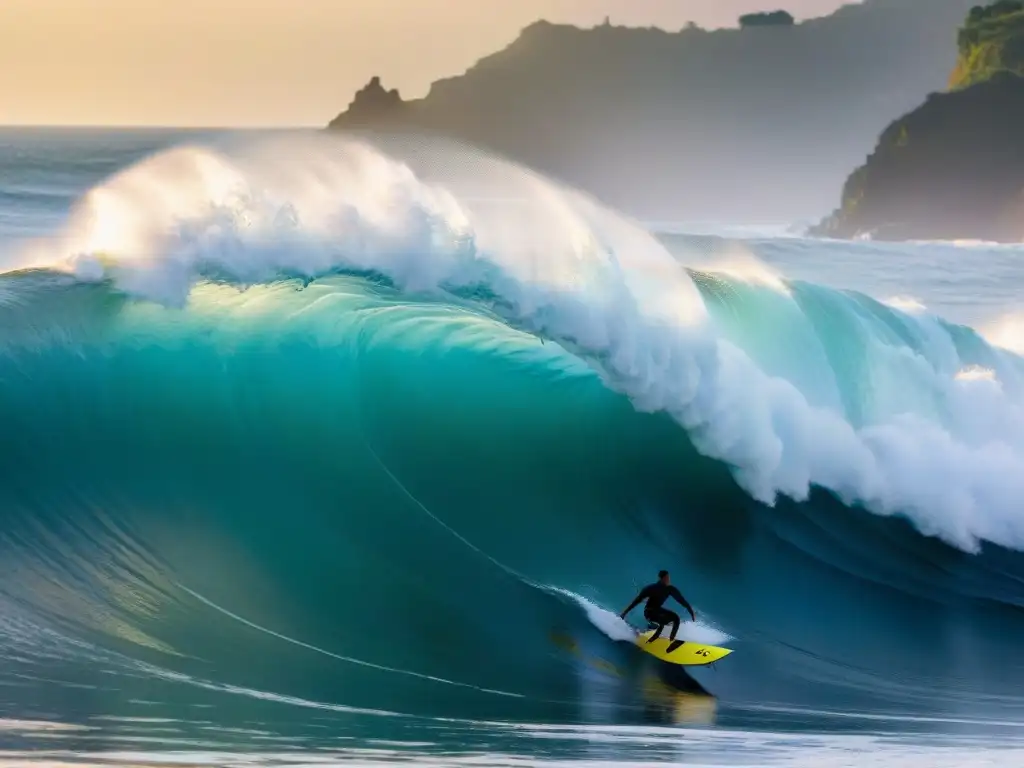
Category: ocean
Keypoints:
(324, 450)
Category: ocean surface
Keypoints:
(347, 450)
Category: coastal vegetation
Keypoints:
(990, 41)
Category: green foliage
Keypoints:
(981, 13)
(773, 19)
(991, 41)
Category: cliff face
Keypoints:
(754, 124)
(951, 169)
(954, 167)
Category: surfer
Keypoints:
(656, 594)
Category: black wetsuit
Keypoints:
(656, 594)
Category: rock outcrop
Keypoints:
(374, 106)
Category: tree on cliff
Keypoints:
(773, 19)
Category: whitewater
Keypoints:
(356, 446)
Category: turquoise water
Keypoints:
(322, 450)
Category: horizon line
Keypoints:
(160, 127)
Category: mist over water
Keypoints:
(387, 432)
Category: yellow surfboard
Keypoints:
(688, 654)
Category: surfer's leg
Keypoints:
(657, 618)
(673, 619)
(668, 617)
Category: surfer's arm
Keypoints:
(682, 601)
(636, 601)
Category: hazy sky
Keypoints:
(274, 62)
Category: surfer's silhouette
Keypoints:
(656, 594)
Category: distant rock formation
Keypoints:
(374, 106)
(953, 169)
(733, 125)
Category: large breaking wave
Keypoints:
(387, 412)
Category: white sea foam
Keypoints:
(563, 267)
(907, 304)
(1006, 332)
(614, 627)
